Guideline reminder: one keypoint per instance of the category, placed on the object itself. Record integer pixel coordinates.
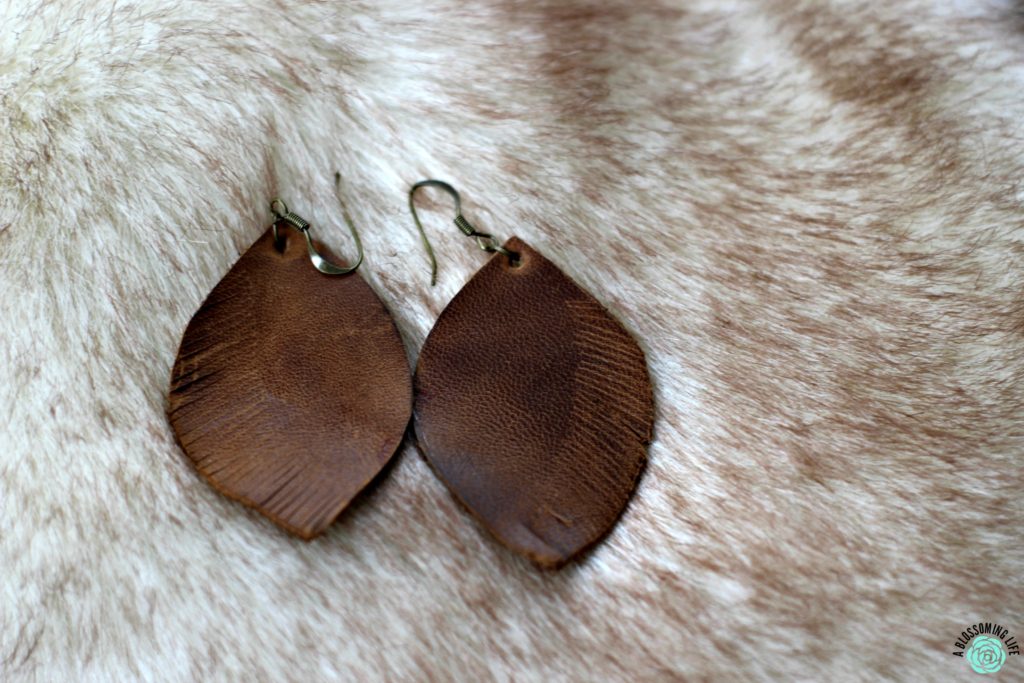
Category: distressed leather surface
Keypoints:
(534, 406)
(291, 389)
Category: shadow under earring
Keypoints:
(532, 403)
(291, 389)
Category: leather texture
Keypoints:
(534, 406)
(291, 389)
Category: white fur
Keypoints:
(810, 216)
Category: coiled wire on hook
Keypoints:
(284, 215)
(484, 240)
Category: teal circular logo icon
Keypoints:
(986, 654)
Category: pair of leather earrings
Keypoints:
(291, 391)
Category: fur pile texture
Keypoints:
(811, 215)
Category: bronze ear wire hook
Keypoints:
(484, 240)
(281, 212)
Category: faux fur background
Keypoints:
(811, 215)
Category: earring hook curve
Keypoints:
(484, 240)
(283, 214)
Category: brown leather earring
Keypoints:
(532, 404)
(291, 388)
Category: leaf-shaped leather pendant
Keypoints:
(291, 390)
(534, 406)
